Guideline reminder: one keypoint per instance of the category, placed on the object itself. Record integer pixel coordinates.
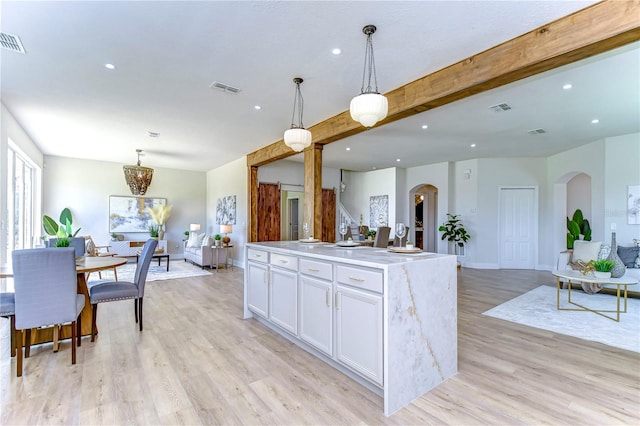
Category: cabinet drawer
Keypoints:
(316, 269)
(284, 261)
(361, 278)
(258, 255)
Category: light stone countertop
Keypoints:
(361, 255)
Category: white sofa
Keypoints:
(202, 254)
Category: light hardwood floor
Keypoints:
(199, 362)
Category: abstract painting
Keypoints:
(128, 214)
(633, 205)
(378, 211)
(226, 210)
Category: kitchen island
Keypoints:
(388, 320)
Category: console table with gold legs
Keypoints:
(621, 285)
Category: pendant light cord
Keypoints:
(369, 67)
(298, 104)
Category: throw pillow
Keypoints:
(201, 238)
(91, 249)
(193, 240)
(605, 249)
(628, 255)
(585, 250)
(206, 241)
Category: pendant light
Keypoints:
(138, 177)
(370, 106)
(297, 137)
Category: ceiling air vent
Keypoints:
(500, 107)
(153, 134)
(537, 131)
(224, 87)
(11, 42)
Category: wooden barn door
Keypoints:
(268, 212)
(328, 215)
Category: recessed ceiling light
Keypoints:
(595, 121)
(336, 51)
(473, 145)
(425, 126)
(110, 66)
(567, 86)
(398, 160)
(373, 168)
(258, 107)
(348, 148)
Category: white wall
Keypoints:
(361, 186)
(230, 179)
(85, 186)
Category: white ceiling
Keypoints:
(168, 53)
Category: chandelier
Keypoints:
(138, 177)
(370, 106)
(297, 137)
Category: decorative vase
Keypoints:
(599, 274)
(618, 269)
(161, 234)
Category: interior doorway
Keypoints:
(425, 217)
(292, 203)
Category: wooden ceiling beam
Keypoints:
(588, 32)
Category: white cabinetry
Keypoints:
(258, 288)
(359, 331)
(131, 248)
(316, 314)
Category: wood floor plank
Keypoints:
(198, 362)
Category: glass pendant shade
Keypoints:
(297, 137)
(369, 108)
(138, 177)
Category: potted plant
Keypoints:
(114, 236)
(602, 268)
(409, 245)
(577, 226)
(160, 214)
(453, 231)
(153, 231)
(371, 234)
(217, 239)
(63, 234)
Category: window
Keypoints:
(23, 205)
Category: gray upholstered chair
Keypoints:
(109, 291)
(8, 310)
(76, 242)
(46, 293)
(382, 237)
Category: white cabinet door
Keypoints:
(359, 331)
(316, 319)
(258, 288)
(283, 300)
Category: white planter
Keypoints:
(598, 274)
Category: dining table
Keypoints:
(84, 266)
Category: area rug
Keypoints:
(177, 269)
(537, 308)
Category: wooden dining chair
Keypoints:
(382, 237)
(93, 250)
(46, 293)
(109, 291)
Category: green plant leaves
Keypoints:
(50, 226)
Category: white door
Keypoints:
(518, 228)
(359, 331)
(316, 323)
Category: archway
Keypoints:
(570, 192)
(424, 216)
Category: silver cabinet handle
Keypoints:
(356, 279)
(257, 255)
(326, 298)
(313, 269)
(284, 261)
(336, 301)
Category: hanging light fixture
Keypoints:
(370, 106)
(138, 177)
(297, 137)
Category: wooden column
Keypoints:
(313, 189)
(252, 203)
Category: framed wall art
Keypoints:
(378, 211)
(128, 214)
(226, 210)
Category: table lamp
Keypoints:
(226, 229)
(194, 227)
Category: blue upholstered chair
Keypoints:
(78, 243)
(109, 291)
(8, 310)
(46, 285)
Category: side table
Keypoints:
(217, 250)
